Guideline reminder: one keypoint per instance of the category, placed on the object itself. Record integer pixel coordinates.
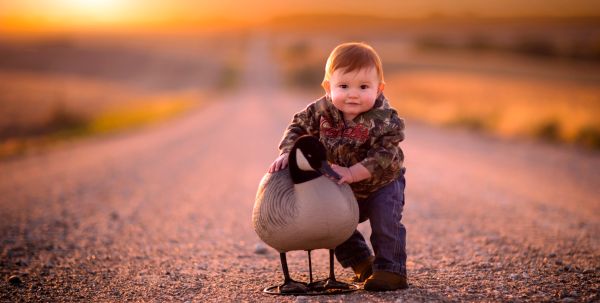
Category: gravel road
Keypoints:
(163, 213)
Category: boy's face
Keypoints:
(353, 92)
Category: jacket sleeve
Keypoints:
(385, 155)
(304, 123)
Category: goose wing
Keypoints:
(275, 204)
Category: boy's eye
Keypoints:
(343, 86)
(364, 86)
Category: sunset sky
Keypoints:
(39, 15)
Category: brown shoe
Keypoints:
(384, 281)
(364, 269)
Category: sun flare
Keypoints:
(96, 10)
(92, 5)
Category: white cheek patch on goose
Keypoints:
(302, 162)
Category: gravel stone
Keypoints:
(260, 249)
(15, 280)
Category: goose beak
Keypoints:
(328, 171)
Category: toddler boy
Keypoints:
(361, 133)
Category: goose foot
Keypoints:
(334, 284)
(293, 287)
(329, 284)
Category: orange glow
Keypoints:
(31, 15)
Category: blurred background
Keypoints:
(513, 69)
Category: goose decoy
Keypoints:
(301, 208)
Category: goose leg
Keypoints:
(331, 282)
(289, 285)
(310, 281)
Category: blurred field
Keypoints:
(562, 112)
(528, 78)
(522, 79)
(57, 87)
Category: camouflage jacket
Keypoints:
(371, 138)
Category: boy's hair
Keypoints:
(353, 56)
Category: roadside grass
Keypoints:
(64, 124)
(300, 61)
(55, 88)
(139, 113)
(558, 112)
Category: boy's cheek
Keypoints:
(338, 96)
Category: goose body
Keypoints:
(311, 215)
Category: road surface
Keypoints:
(164, 213)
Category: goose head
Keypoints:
(308, 160)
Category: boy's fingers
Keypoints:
(280, 163)
(274, 167)
(331, 178)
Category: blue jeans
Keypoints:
(383, 208)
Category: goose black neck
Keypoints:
(298, 175)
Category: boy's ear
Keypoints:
(381, 87)
(327, 86)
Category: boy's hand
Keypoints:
(280, 163)
(355, 173)
(344, 172)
